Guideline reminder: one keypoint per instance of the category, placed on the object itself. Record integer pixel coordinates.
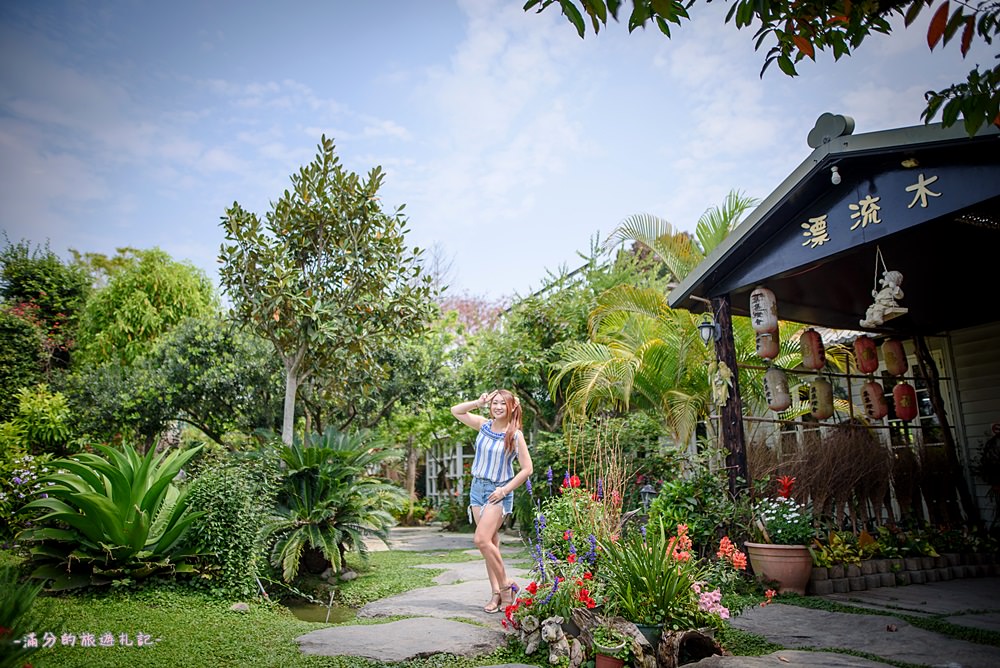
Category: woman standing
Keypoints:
(491, 497)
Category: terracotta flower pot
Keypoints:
(605, 661)
(787, 565)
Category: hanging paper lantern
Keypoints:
(905, 398)
(873, 398)
(865, 354)
(763, 310)
(821, 399)
(894, 357)
(813, 354)
(767, 345)
(776, 389)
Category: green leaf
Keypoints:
(786, 65)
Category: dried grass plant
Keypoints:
(602, 460)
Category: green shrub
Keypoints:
(236, 496)
(110, 520)
(21, 359)
(19, 485)
(575, 511)
(16, 618)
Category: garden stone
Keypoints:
(917, 577)
(887, 579)
(953, 558)
(926, 562)
(867, 567)
(957, 572)
(819, 573)
(896, 565)
(930, 575)
(903, 578)
(857, 583)
(240, 607)
(881, 565)
(821, 587)
(327, 574)
(836, 572)
(940, 562)
(410, 639)
(347, 576)
(943, 573)
(841, 586)
(873, 581)
(853, 571)
(913, 563)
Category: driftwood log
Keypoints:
(675, 648)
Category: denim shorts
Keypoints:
(480, 492)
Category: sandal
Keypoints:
(513, 589)
(494, 604)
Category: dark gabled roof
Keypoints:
(947, 246)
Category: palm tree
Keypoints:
(643, 354)
(330, 501)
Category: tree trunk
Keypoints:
(288, 419)
(411, 476)
(731, 414)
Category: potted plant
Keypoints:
(786, 528)
(609, 647)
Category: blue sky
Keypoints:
(511, 141)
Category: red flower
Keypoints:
(571, 558)
(531, 588)
(588, 576)
(584, 594)
(574, 481)
(528, 602)
(567, 534)
(591, 603)
(785, 483)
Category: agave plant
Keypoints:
(110, 519)
(330, 501)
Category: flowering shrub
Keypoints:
(569, 520)
(781, 519)
(18, 485)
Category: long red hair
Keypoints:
(513, 422)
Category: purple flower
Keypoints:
(552, 592)
(591, 555)
(566, 479)
(16, 480)
(600, 490)
(642, 529)
(527, 484)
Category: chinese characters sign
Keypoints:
(866, 211)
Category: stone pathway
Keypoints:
(448, 618)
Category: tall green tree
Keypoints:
(327, 278)
(141, 302)
(43, 291)
(641, 353)
(797, 29)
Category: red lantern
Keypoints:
(821, 399)
(776, 389)
(767, 345)
(905, 398)
(865, 354)
(873, 398)
(763, 310)
(894, 357)
(813, 354)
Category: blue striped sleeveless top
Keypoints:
(491, 462)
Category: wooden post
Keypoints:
(731, 415)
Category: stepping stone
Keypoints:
(402, 640)
(464, 571)
(788, 659)
(465, 599)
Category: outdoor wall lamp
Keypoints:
(647, 494)
(709, 330)
(835, 175)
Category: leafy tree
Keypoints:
(643, 354)
(801, 28)
(39, 288)
(21, 359)
(204, 372)
(101, 268)
(329, 282)
(143, 301)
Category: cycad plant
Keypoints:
(116, 518)
(330, 500)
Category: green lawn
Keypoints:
(188, 628)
